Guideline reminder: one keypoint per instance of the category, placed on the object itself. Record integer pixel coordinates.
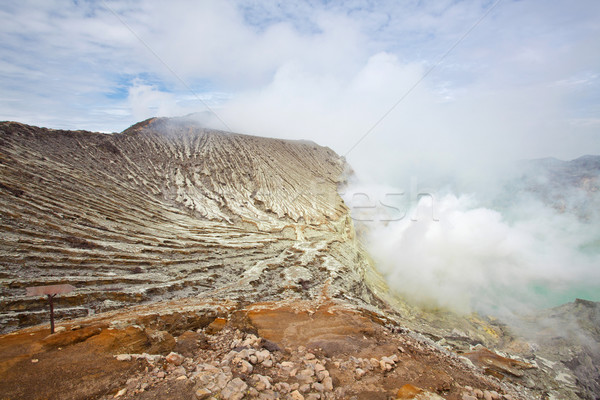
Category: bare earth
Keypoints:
(80, 362)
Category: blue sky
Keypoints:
(525, 82)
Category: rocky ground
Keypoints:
(295, 350)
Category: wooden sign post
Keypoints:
(50, 291)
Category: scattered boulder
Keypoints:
(175, 359)
(216, 326)
(189, 342)
(203, 393)
(296, 395)
(492, 361)
(234, 390)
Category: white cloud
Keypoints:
(76, 53)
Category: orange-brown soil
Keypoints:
(80, 363)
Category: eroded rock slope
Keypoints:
(166, 210)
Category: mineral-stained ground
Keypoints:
(217, 265)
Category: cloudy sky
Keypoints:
(376, 80)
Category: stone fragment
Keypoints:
(328, 384)
(121, 393)
(175, 358)
(251, 341)
(304, 388)
(385, 366)
(267, 363)
(359, 373)
(487, 395)
(262, 355)
(234, 390)
(246, 367)
(216, 326)
(286, 368)
(123, 357)
(283, 387)
(318, 387)
(222, 379)
(468, 397)
(478, 393)
(304, 377)
(296, 395)
(262, 382)
(203, 393)
(243, 354)
(389, 360)
(268, 395)
(319, 367)
(322, 375)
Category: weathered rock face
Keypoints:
(567, 340)
(165, 210)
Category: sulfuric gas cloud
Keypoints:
(529, 241)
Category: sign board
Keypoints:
(49, 290)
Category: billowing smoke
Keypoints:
(533, 241)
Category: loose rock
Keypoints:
(175, 358)
(295, 395)
(234, 390)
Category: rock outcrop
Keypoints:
(169, 210)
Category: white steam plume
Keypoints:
(469, 255)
